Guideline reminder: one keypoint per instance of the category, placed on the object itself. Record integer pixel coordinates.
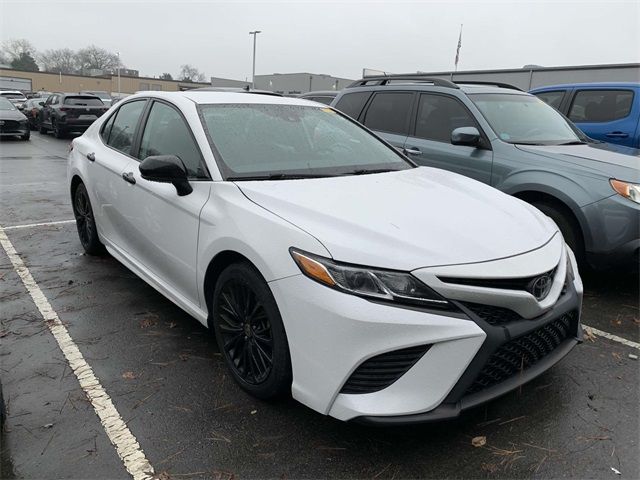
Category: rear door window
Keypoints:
(390, 112)
(439, 115)
(124, 125)
(352, 103)
(600, 105)
(552, 98)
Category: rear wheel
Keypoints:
(568, 226)
(250, 332)
(57, 131)
(85, 221)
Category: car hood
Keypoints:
(599, 156)
(11, 115)
(406, 220)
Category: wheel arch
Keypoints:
(562, 203)
(216, 266)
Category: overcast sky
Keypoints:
(337, 38)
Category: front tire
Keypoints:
(250, 332)
(57, 131)
(567, 225)
(26, 136)
(85, 221)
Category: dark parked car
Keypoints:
(515, 142)
(321, 96)
(31, 109)
(12, 122)
(70, 112)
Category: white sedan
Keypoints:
(329, 266)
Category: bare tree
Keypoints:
(189, 73)
(61, 60)
(93, 57)
(165, 76)
(17, 48)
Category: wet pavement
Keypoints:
(166, 378)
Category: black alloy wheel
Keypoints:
(250, 333)
(85, 222)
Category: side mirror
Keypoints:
(41, 104)
(469, 136)
(166, 169)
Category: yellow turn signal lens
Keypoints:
(621, 187)
(313, 269)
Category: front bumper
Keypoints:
(13, 129)
(613, 238)
(331, 334)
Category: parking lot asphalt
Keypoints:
(165, 376)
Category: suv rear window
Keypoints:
(84, 101)
(389, 112)
(601, 105)
(551, 98)
(352, 103)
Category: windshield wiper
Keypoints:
(574, 142)
(277, 176)
(365, 171)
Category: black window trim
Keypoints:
(145, 117)
(485, 144)
(367, 106)
(596, 89)
(137, 129)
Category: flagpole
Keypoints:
(458, 49)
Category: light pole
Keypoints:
(118, 75)
(253, 75)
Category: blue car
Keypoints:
(604, 111)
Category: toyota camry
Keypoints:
(328, 265)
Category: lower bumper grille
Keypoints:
(378, 372)
(523, 352)
(495, 316)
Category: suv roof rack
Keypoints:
(385, 79)
(486, 82)
(246, 89)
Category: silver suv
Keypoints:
(511, 140)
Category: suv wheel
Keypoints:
(85, 221)
(568, 227)
(41, 128)
(250, 332)
(57, 131)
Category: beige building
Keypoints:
(54, 82)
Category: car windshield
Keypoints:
(524, 119)
(256, 141)
(6, 104)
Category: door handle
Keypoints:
(91, 157)
(617, 135)
(128, 177)
(412, 151)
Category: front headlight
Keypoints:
(399, 287)
(626, 189)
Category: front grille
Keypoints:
(378, 372)
(10, 125)
(496, 316)
(523, 352)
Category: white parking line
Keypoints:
(613, 337)
(127, 447)
(44, 224)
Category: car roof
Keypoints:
(11, 91)
(201, 97)
(590, 84)
(331, 93)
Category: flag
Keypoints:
(458, 49)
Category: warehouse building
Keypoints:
(295, 83)
(532, 76)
